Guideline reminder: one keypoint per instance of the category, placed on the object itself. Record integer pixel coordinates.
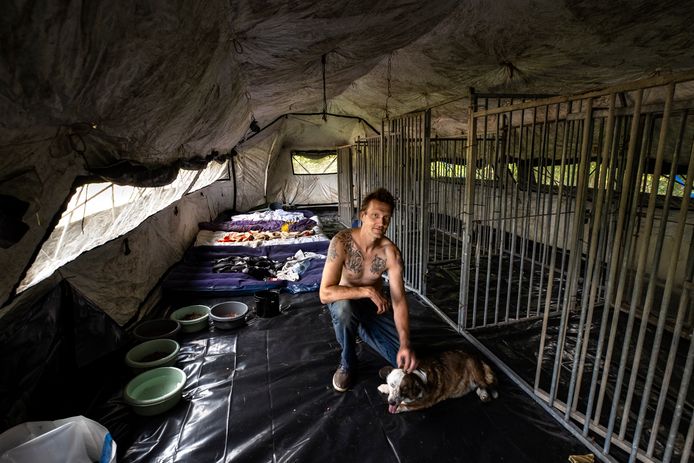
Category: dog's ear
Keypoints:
(412, 387)
(384, 372)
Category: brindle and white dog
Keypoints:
(448, 375)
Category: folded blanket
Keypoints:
(263, 225)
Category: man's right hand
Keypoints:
(377, 297)
(406, 358)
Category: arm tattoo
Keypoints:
(332, 251)
(354, 261)
(378, 265)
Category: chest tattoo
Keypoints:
(378, 265)
(354, 260)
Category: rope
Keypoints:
(325, 101)
(389, 71)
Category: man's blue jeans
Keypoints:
(358, 316)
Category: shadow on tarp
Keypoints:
(58, 353)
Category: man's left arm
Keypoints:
(406, 358)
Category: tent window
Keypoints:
(662, 183)
(513, 169)
(100, 212)
(314, 162)
(448, 170)
(552, 176)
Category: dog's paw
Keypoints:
(401, 408)
(483, 394)
(384, 389)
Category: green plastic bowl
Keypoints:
(157, 329)
(153, 354)
(192, 318)
(155, 391)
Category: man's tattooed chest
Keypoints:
(378, 265)
(355, 261)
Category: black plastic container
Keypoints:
(267, 304)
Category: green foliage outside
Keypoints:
(554, 176)
(442, 169)
(314, 164)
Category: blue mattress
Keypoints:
(194, 274)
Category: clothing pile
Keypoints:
(261, 268)
(297, 265)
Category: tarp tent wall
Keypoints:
(34, 174)
(159, 83)
(91, 88)
(310, 133)
(264, 168)
(119, 275)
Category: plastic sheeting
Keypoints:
(263, 392)
(98, 87)
(98, 213)
(55, 357)
(265, 163)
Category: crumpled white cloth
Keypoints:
(297, 265)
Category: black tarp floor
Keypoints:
(262, 392)
(259, 393)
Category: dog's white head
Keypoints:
(403, 388)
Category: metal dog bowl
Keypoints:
(228, 315)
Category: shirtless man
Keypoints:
(353, 289)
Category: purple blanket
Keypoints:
(195, 274)
(263, 225)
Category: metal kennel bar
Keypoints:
(367, 152)
(506, 209)
(594, 218)
(345, 190)
(569, 218)
(398, 160)
(447, 159)
(409, 146)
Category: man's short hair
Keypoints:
(381, 195)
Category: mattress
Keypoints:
(250, 252)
